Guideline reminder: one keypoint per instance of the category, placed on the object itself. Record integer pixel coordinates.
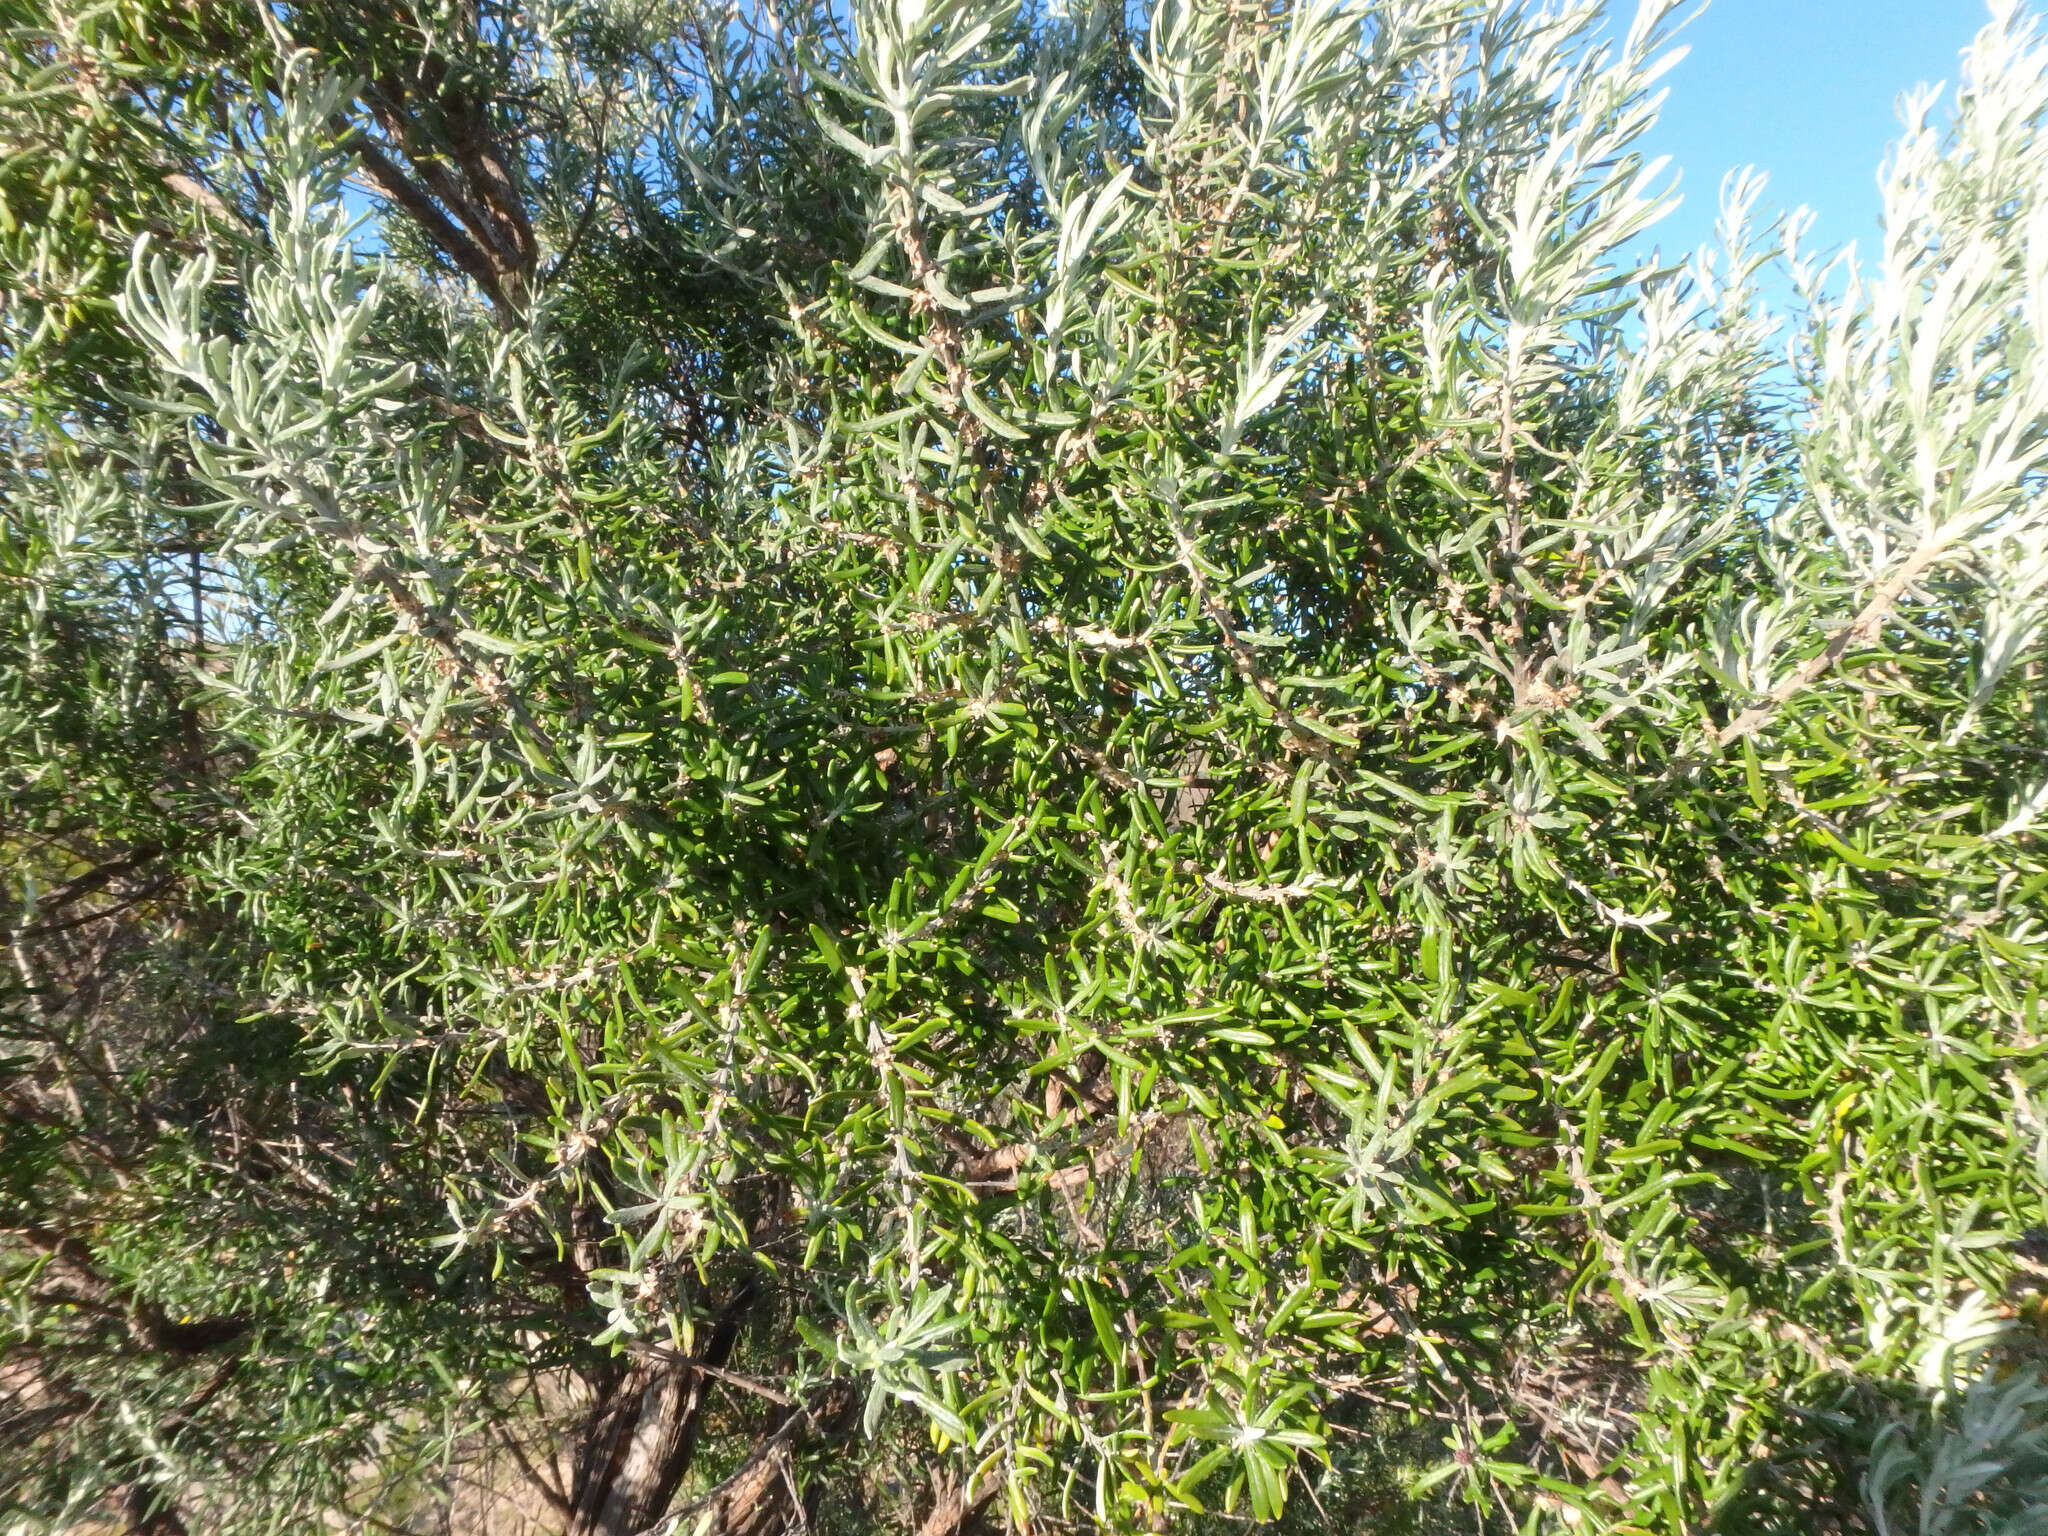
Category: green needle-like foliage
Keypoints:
(1073, 768)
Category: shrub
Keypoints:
(1070, 754)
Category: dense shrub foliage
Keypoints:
(1061, 768)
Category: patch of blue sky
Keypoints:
(1806, 91)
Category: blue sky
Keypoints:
(1806, 90)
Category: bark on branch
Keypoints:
(97, 878)
(432, 148)
(763, 1498)
(643, 1436)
